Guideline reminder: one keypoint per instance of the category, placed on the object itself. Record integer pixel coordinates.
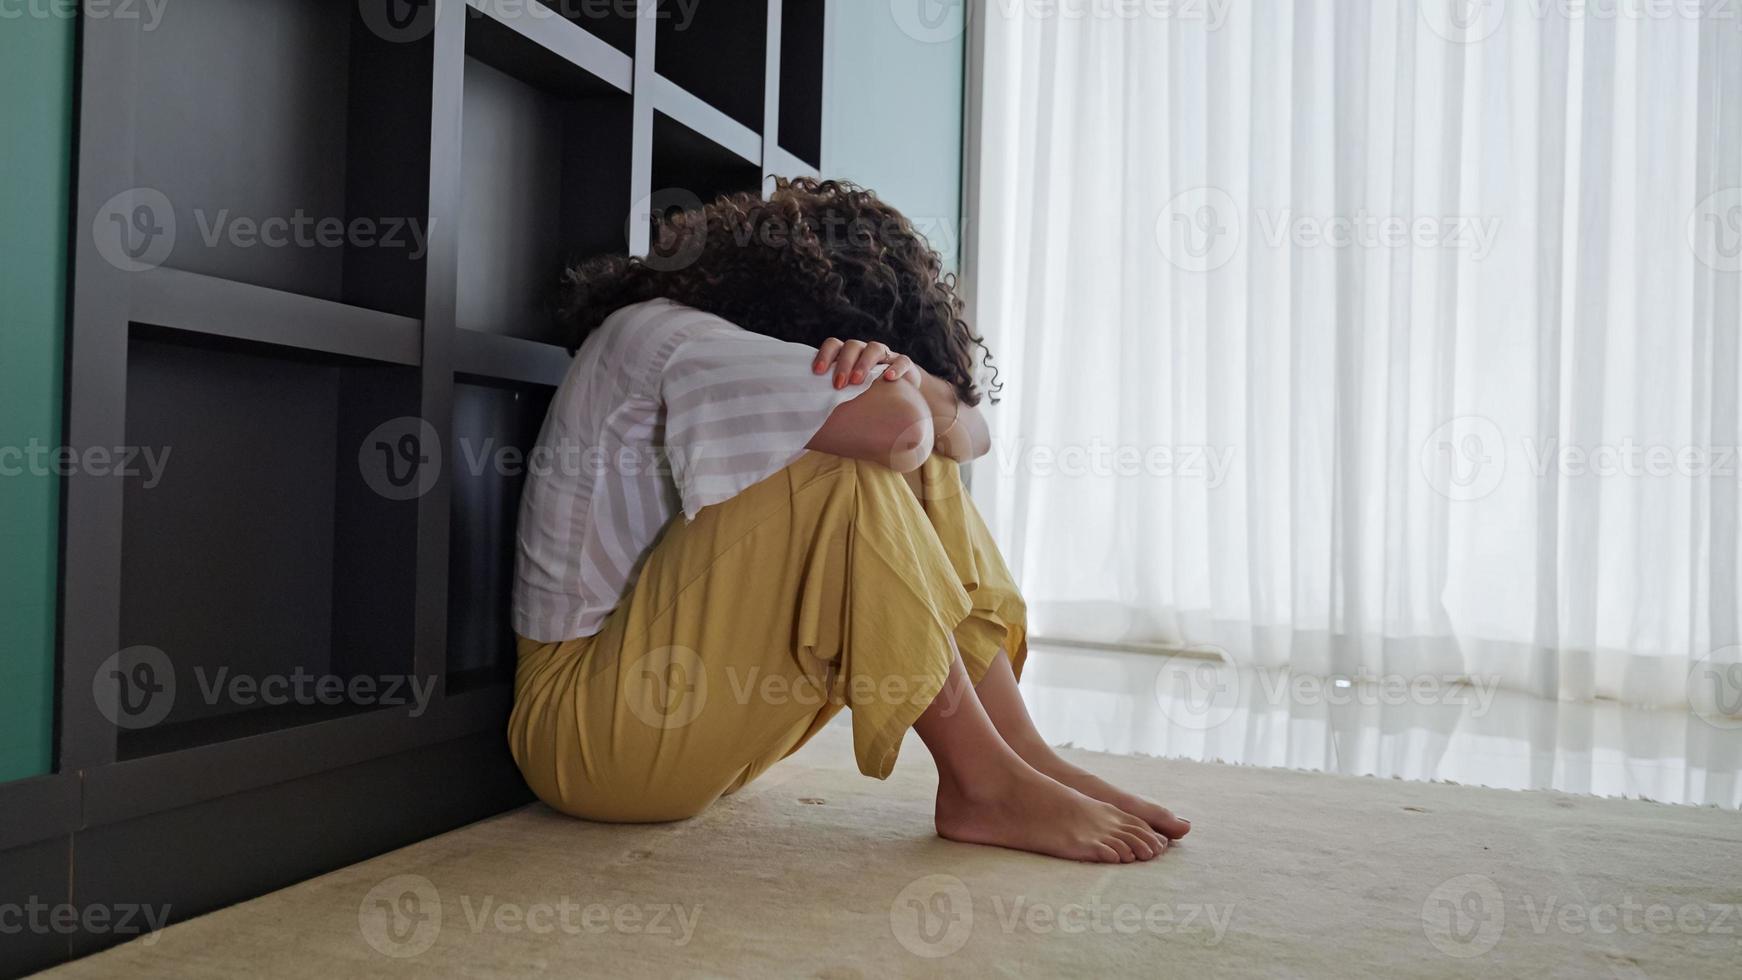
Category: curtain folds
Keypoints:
(1371, 338)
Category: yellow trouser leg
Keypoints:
(827, 585)
(999, 618)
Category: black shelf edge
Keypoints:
(38, 808)
(507, 358)
(152, 784)
(690, 110)
(189, 861)
(561, 37)
(224, 308)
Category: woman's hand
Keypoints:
(853, 360)
(960, 431)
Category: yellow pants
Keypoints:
(831, 584)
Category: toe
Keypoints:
(1140, 848)
(1163, 820)
(1156, 842)
(1105, 853)
(1120, 847)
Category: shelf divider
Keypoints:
(671, 99)
(224, 308)
(781, 163)
(508, 358)
(567, 40)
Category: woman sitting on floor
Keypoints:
(826, 556)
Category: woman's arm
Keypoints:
(967, 437)
(958, 430)
(890, 424)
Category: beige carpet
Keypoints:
(815, 871)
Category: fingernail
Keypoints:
(858, 376)
(840, 382)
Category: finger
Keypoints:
(875, 353)
(845, 360)
(826, 354)
(899, 366)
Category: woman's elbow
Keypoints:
(910, 435)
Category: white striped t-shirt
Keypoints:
(665, 408)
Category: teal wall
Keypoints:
(893, 109)
(36, 85)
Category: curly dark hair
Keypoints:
(817, 259)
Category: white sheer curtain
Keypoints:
(1370, 337)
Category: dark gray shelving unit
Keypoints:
(498, 141)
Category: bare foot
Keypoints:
(1027, 811)
(1087, 783)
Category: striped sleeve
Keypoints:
(740, 407)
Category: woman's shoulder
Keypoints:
(653, 328)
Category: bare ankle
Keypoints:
(985, 784)
(1040, 755)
